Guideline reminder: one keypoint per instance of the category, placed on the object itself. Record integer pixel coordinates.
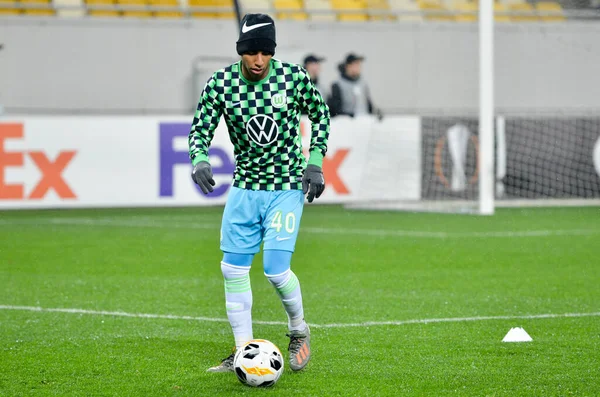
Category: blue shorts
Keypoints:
(255, 216)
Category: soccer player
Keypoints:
(261, 99)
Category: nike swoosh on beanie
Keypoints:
(257, 33)
(246, 28)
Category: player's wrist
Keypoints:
(199, 158)
(316, 158)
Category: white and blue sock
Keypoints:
(288, 288)
(238, 301)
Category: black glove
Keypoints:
(313, 182)
(203, 176)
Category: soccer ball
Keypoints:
(258, 363)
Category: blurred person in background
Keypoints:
(312, 64)
(260, 98)
(350, 94)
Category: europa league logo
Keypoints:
(458, 137)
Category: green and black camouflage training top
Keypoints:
(263, 119)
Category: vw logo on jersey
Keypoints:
(278, 100)
(262, 129)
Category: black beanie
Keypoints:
(257, 34)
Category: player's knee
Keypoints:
(243, 260)
(232, 271)
(276, 262)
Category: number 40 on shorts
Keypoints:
(288, 222)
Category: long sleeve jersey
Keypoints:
(263, 120)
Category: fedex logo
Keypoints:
(223, 163)
(169, 157)
(51, 170)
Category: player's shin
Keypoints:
(238, 301)
(288, 288)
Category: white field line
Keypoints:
(333, 325)
(124, 314)
(164, 224)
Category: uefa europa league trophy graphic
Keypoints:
(458, 141)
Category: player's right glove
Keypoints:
(203, 176)
(313, 182)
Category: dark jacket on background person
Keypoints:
(349, 96)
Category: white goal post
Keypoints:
(486, 107)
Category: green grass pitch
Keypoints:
(376, 286)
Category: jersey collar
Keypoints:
(267, 77)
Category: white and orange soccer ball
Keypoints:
(258, 363)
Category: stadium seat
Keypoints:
(45, 7)
(466, 11)
(290, 9)
(499, 8)
(553, 7)
(413, 12)
(379, 10)
(433, 10)
(109, 12)
(7, 7)
(522, 7)
(224, 4)
(251, 5)
(167, 4)
(104, 13)
(319, 10)
(135, 13)
(350, 5)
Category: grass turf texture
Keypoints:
(166, 261)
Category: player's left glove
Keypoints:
(203, 176)
(313, 182)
